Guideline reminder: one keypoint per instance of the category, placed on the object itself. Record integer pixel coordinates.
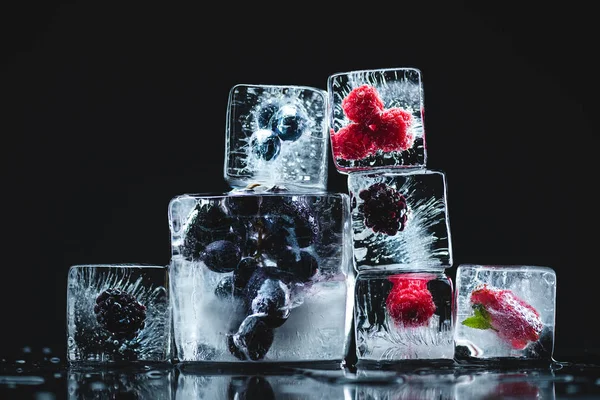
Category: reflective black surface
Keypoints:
(42, 375)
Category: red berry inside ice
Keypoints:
(514, 320)
(410, 303)
(393, 133)
(362, 104)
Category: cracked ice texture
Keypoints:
(398, 88)
(425, 241)
(88, 341)
(296, 160)
(531, 285)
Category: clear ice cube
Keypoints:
(260, 277)
(400, 219)
(504, 312)
(376, 119)
(403, 316)
(117, 312)
(277, 135)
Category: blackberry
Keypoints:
(120, 313)
(384, 209)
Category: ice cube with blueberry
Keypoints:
(505, 312)
(376, 119)
(403, 316)
(260, 276)
(117, 312)
(277, 135)
(400, 219)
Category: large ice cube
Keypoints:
(400, 219)
(504, 312)
(117, 312)
(403, 316)
(277, 135)
(376, 119)
(260, 276)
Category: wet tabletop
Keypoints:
(43, 375)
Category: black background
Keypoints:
(109, 111)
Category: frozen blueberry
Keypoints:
(244, 271)
(265, 144)
(302, 264)
(252, 340)
(289, 122)
(269, 294)
(265, 115)
(221, 256)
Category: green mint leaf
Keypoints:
(480, 320)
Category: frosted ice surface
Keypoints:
(292, 250)
(371, 136)
(505, 311)
(400, 219)
(104, 332)
(277, 135)
(404, 316)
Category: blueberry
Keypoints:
(243, 204)
(206, 223)
(269, 294)
(244, 271)
(221, 256)
(265, 144)
(289, 122)
(225, 288)
(252, 340)
(265, 115)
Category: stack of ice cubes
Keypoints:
(280, 270)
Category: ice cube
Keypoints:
(139, 382)
(117, 312)
(504, 312)
(260, 276)
(376, 119)
(404, 316)
(400, 219)
(277, 135)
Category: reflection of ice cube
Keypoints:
(141, 382)
(261, 225)
(413, 204)
(505, 312)
(403, 316)
(386, 141)
(223, 386)
(507, 385)
(277, 135)
(145, 335)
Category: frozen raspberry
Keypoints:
(514, 320)
(352, 142)
(362, 104)
(410, 303)
(120, 313)
(384, 209)
(392, 132)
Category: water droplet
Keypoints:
(55, 360)
(57, 375)
(154, 374)
(21, 380)
(26, 349)
(20, 361)
(19, 370)
(47, 350)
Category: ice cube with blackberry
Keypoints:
(400, 220)
(117, 312)
(277, 134)
(259, 289)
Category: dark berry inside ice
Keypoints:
(265, 114)
(221, 256)
(120, 313)
(265, 144)
(243, 204)
(289, 122)
(252, 340)
(384, 209)
(302, 264)
(295, 216)
(250, 388)
(244, 271)
(269, 294)
(226, 288)
(207, 223)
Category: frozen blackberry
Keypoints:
(120, 313)
(384, 209)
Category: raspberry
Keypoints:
(410, 303)
(120, 313)
(392, 130)
(352, 142)
(514, 320)
(384, 209)
(362, 104)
